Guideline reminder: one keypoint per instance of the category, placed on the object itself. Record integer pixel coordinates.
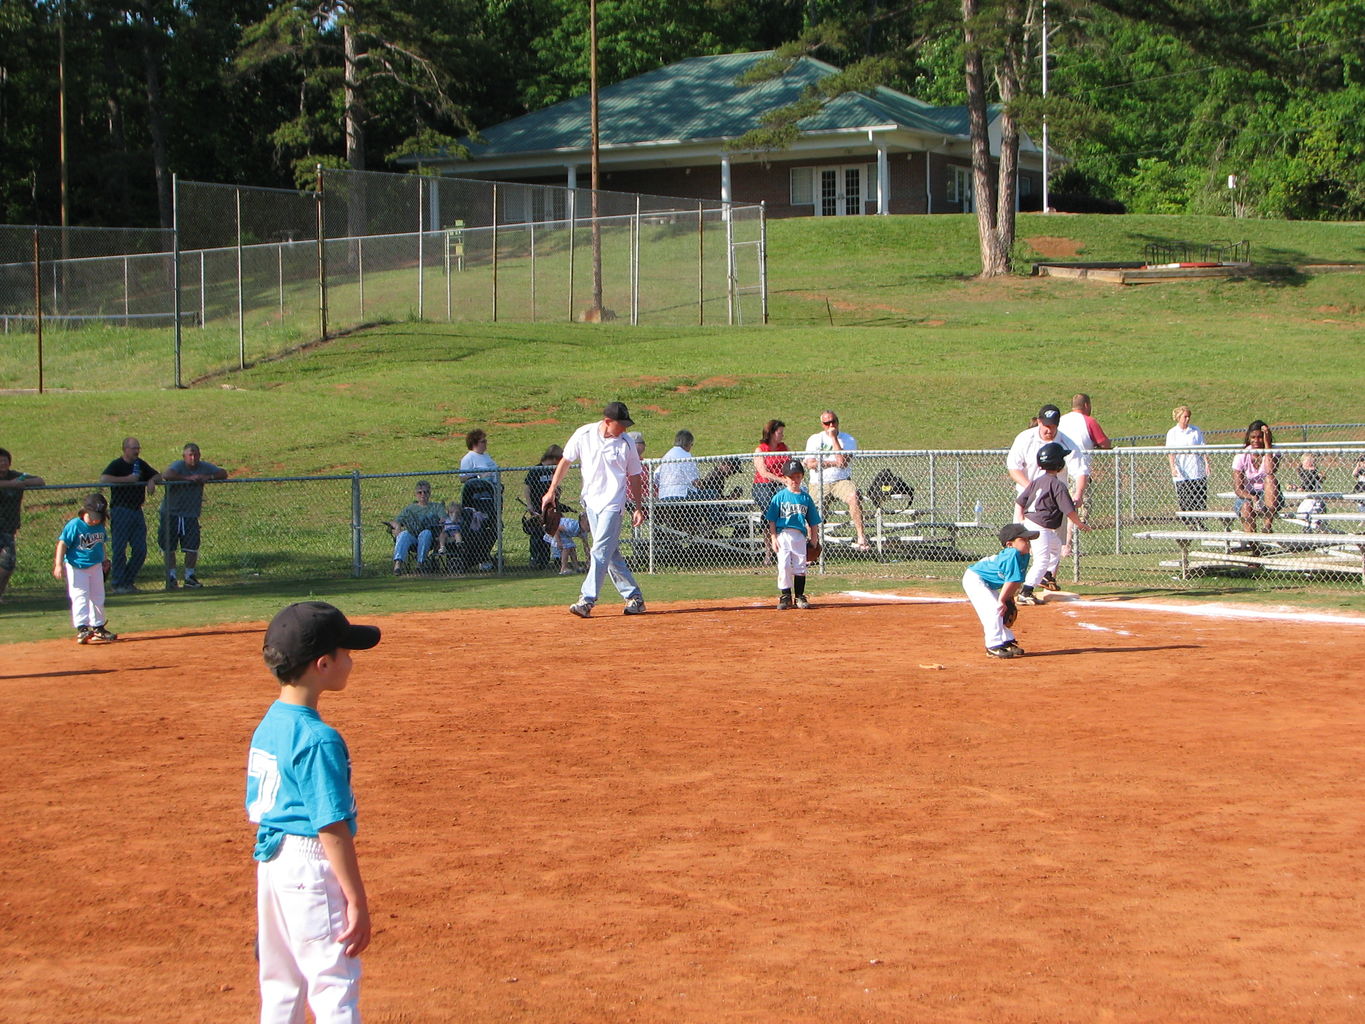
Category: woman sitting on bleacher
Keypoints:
(1253, 479)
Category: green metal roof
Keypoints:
(697, 99)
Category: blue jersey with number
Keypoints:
(84, 543)
(298, 777)
(791, 510)
(1007, 565)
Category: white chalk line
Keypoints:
(1208, 611)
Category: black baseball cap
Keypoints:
(617, 411)
(307, 630)
(1013, 531)
(793, 466)
(1050, 415)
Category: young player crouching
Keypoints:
(991, 585)
(794, 517)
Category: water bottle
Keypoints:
(977, 511)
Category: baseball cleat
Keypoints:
(1014, 646)
(1028, 599)
(83, 634)
(1003, 651)
(100, 633)
(1050, 582)
(581, 608)
(802, 601)
(784, 603)
(635, 606)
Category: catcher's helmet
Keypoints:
(1052, 456)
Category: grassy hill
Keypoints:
(918, 355)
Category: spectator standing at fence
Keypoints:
(421, 524)
(833, 471)
(768, 478)
(12, 487)
(180, 510)
(477, 464)
(81, 557)
(533, 488)
(1081, 425)
(678, 473)
(612, 474)
(1189, 470)
(131, 482)
(1253, 478)
(1022, 461)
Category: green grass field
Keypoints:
(878, 318)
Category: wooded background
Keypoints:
(1154, 102)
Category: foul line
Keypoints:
(1211, 611)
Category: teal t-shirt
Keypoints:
(84, 543)
(298, 777)
(1005, 566)
(788, 511)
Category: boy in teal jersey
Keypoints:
(313, 918)
(993, 581)
(793, 516)
(81, 558)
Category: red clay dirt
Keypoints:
(719, 813)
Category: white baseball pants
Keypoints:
(1046, 551)
(791, 557)
(300, 910)
(85, 587)
(986, 602)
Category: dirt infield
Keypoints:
(720, 813)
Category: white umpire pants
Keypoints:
(1046, 551)
(791, 557)
(986, 602)
(300, 910)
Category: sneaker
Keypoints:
(1028, 599)
(568, 572)
(582, 609)
(1003, 651)
(125, 588)
(192, 583)
(802, 601)
(100, 633)
(784, 603)
(171, 584)
(635, 606)
(83, 634)
(398, 568)
(862, 545)
(1050, 582)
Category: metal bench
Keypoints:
(1278, 552)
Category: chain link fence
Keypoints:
(249, 273)
(70, 297)
(925, 514)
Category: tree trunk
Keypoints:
(994, 261)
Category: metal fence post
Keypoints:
(357, 552)
(175, 277)
(38, 301)
(495, 252)
(727, 213)
(763, 258)
(573, 226)
(533, 271)
(635, 266)
(701, 266)
(421, 253)
(322, 260)
(1118, 510)
(241, 297)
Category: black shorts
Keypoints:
(179, 532)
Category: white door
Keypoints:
(841, 192)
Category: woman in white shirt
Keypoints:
(477, 464)
(1189, 470)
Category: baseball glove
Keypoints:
(1011, 613)
(813, 549)
(551, 516)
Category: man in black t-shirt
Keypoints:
(131, 481)
(12, 487)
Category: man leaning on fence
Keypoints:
(131, 482)
(180, 511)
(12, 487)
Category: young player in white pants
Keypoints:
(992, 582)
(794, 517)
